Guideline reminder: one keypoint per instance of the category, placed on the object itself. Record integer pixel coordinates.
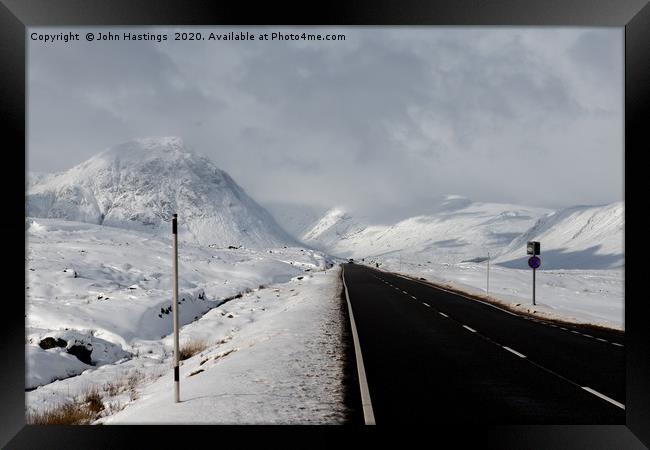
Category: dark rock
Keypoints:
(81, 352)
(49, 342)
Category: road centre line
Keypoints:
(496, 307)
(514, 351)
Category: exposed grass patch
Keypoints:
(191, 348)
(71, 413)
(83, 410)
(93, 401)
(90, 405)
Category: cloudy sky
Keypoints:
(383, 123)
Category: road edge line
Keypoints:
(366, 403)
(604, 397)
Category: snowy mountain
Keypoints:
(581, 237)
(141, 183)
(334, 231)
(457, 230)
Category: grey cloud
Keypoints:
(383, 123)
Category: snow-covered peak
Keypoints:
(141, 183)
(336, 224)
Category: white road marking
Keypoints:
(514, 351)
(604, 397)
(617, 344)
(405, 292)
(588, 335)
(368, 412)
(442, 314)
(602, 340)
(574, 331)
(470, 329)
(414, 297)
(426, 304)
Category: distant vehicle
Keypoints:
(351, 260)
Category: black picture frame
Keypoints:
(16, 15)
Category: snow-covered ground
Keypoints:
(108, 290)
(584, 296)
(272, 356)
(283, 363)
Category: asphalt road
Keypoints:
(432, 356)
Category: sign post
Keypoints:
(175, 310)
(533, 248)
(487, 290)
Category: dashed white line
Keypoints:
(514, 351)
(470, 329)
(414, 297)
(426, 304)
(617, 344)
(588, 335)
(442, 314)
(602, 340)
(404, 292)
(604, 397)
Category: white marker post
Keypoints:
(175, 310)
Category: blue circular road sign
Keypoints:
(534, 262)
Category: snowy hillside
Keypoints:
(141, 183)
(458, 230)
(333, 231)
(581, 237)
(108, 289)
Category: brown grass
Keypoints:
(191, 348)
(93, 401)
(70, 413)
(88, 407)
(67, 414)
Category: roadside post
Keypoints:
(175, 310)
(487, 290)
(533, 248)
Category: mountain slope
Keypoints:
(581, 237)
(458, 230)
(141, 183)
